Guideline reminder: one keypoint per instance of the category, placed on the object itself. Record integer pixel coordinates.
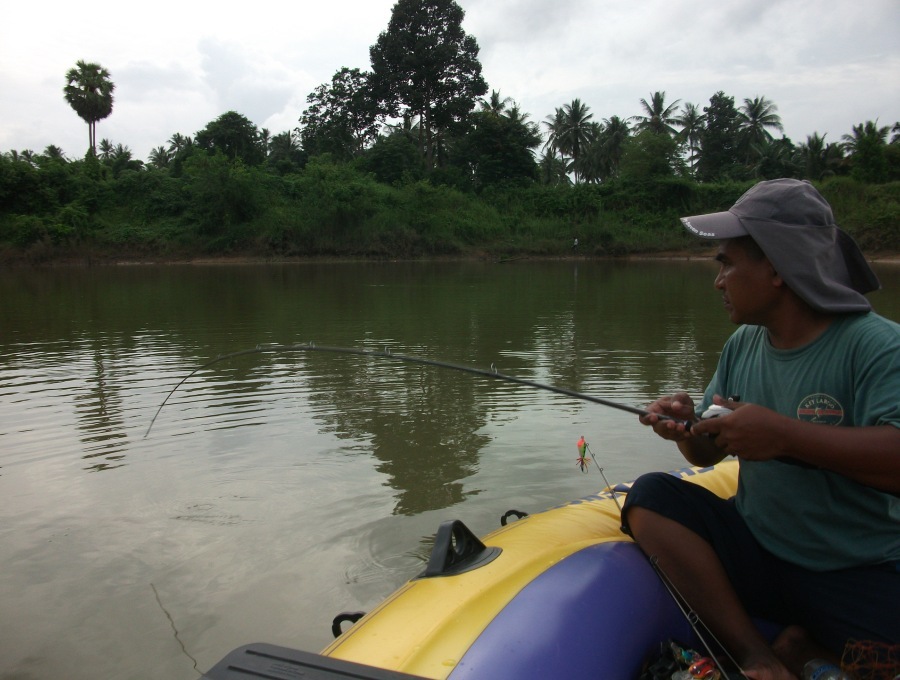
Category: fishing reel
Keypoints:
(715, 411)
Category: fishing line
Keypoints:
(609, 486)
(387, 354)
(694, 619)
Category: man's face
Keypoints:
(747, 283)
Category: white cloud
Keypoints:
(177, 66)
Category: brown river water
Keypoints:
(277, 490)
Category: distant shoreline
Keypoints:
(244, 260)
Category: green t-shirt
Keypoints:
(849, 376)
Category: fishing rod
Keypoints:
(387, 354)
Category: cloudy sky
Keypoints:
(179, 65)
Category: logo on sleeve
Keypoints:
(820, 408)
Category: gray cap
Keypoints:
(794, 226)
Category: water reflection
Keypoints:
(275, 490)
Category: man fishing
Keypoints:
(811, 541)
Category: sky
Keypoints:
(177, 66)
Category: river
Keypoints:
(275, 490)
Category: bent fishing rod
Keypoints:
(387, 354)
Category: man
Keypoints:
(812, 539)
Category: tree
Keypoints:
(866, 148)
(776, 158)
(650, 155)
(179, 142)
(553, 170)
(816, 159)
(571, 132)
(89, 91)
(424, 64)
(718, 158)
(754, 117)
(495, 104)
(658, 117)
(341, 118)
(160, 157)
(604, 154)
(692, 121)
(235, 136)
(497, 147)
(285, 154)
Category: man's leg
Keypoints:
(696, 571)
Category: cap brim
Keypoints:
(715, 225)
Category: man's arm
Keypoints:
(868, 455)
(701, 451)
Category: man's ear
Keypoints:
(777, 281)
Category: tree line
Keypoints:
(421, 113)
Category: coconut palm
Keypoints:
(602, 160)
(177, 142)
(553, 169)
(755, 117)
(495, 104)
(570, 131)
(659, 118)
(866, 148)
(865, 134)
(106, 149)
(160, 157)
(692, 121)
(89, 91)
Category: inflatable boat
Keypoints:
(562, 593)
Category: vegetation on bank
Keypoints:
(410, 159)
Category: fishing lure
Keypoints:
(583, 460)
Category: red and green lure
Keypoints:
(582, 460)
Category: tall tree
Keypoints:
(496, 104)
(426, 65)
(692, 122)
(816, 159)
(160, 157)
(866, 149)
(89, 91)
(341, 118)
(571, 132)
(285, 153)
(718, 158)
(604, 154)
(658, 117)
(235, 136)
(179, 142)
(497, 148)
(755, 117)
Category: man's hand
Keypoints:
(750, 431)
(679, 406)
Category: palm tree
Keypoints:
(866, 148)
(659, 118)
(160, 157)
(692, 121)
(177, 142)
(864, 134)
(570, 131)
(754, 117)
(601, 162)
(553, 169)
(106, 149)
(495, 104)
(51, 154)
(89, 91)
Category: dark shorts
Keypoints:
(862, 603)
